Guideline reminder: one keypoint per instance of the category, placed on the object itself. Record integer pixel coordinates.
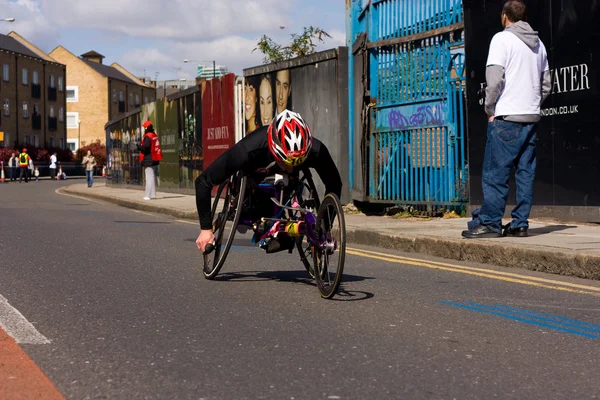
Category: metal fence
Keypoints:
(414, 139)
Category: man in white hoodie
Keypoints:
(518, 81)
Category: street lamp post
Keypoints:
(214, 63)
(79, 135)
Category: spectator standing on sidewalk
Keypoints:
(150, 156)
(12, 167)
(30, 169)
(89, 161)
(53, 161)
(518, 81)
(24, 165)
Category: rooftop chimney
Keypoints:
(93, 57)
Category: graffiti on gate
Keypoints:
(413, 116)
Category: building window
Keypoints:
(130, 99)
(36, 140)
(27, 139)
(72, 94)
(115, 96)
(52, 81)
(120, 96)
(5, 73)
(146, 100)
(72, 144)
(25, 110)
(51, 113)
(61, 114)
(72, 120)
(51, 142)
(137, 100)
(36, 109)
(60, 84)
(35, 78)
(25, 78)
(62, 143)
(6, 140)
(6, 107)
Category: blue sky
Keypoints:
(156, 35)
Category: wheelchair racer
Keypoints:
(287, 143)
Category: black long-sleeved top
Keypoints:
(251, 154)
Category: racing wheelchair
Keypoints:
(317, 228)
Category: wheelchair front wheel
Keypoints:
(224, 218)
(329, 260)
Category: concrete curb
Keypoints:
(549, 261)
(484, 252)
(136, 205)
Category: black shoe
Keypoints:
(517, 232)
(281, 243)
(481, 231)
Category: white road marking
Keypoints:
(17, 326)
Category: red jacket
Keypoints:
(155, 150)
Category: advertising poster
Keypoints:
(190, 139)
(567, 142)
(266, 95)
(218, 117)
(163, 115)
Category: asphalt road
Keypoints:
(121, 298)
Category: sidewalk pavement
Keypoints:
(559, 248)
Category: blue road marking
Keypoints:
(542, 317)
(506, 314)
(551, 316)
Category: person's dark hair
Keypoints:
(515, 11)
(254, 81)
(150, 129)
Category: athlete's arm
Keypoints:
(230, 162)
(326, 168)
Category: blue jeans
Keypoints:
(90, 177)
(509, 144)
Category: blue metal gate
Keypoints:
(415, 140)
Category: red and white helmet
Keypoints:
(289, 138)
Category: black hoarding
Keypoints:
(568, 143)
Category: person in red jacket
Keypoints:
(150, 156)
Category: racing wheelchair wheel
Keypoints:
(329, 260)
(225, 215)
(304, 248)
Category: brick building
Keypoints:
(32, 94)
(96, 94)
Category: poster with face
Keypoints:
(266, 96)
(267, 108)
(251, 103)
(283, 90)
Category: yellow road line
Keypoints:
(186, 222)
(488, 274)
(463, 267)
(60, 192)
(145, 213)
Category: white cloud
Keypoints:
(140, 59)
(235, 52)
(185, 20)
(30, 23)
(156, 35)
(337, 39)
